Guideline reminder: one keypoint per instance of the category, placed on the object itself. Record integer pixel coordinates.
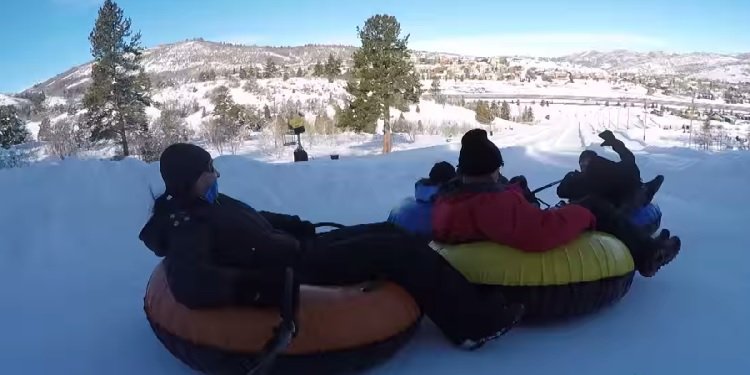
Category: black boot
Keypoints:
(503, 321)
(652, 187)
(665, 253)
(663, 235)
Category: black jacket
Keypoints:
(226, 253)
(615, 182)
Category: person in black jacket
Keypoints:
(220, 251)
(618, 183)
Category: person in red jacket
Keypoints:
(482, 208)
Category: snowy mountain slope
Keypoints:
(734, 73)
(184, 60)
(698, 63)
(9, 100)
(73, 273)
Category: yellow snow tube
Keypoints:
(580, 277)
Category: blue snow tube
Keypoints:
(648, 217)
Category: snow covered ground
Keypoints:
(9, 100)
(73, 272)
(442, 124)
(583, 88)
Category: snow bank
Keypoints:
(73, 273)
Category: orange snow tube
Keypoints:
(341, 329)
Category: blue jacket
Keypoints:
(648, 218)
(415, 214)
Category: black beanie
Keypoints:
(181, 164)
(442, 172)
(478, 156)
(586, 154)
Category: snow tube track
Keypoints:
(341, 329)
(581, 277)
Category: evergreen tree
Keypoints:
(418, 110)
(286, 76)
(118, 96)
(243, 73)
(207, 75)
(266, 112)
(495, 109)
(436, 91)
(270, 69)
(229, 120)
(483, 114)
(12, 130)
(44, 130)
(527, 115)
(505, 111)
(300, 73)
(318, 70)
(332, 68)
(383, 75)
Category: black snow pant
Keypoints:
(609, 220)
(365, 252)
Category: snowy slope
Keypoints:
(9, 100)
(73, 273)
(656, 62)
(729, 73)
(185, 60)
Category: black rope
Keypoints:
(283, 333)
(545, 187)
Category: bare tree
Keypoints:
(62, 138)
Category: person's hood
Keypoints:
(424, 191)
(165, 213)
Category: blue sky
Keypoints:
(41, 38)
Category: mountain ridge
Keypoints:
(187, 58)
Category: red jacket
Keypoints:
(497, 213)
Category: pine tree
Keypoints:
(229, 121)
(118, 96)
(318, 70)
(436, 91)
(530, 115)
(286, 76)
(332, 68)
(12, 130)
(418, 110)
(483, 114)
(505, 111)
(383, 75)
(270, 69)
(266, 112)
(495, 109)
(300, 73)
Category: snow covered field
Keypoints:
(73, 272)
(570, 126)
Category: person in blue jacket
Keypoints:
(414, 214)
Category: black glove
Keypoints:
(608, 138)
(521, 181)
